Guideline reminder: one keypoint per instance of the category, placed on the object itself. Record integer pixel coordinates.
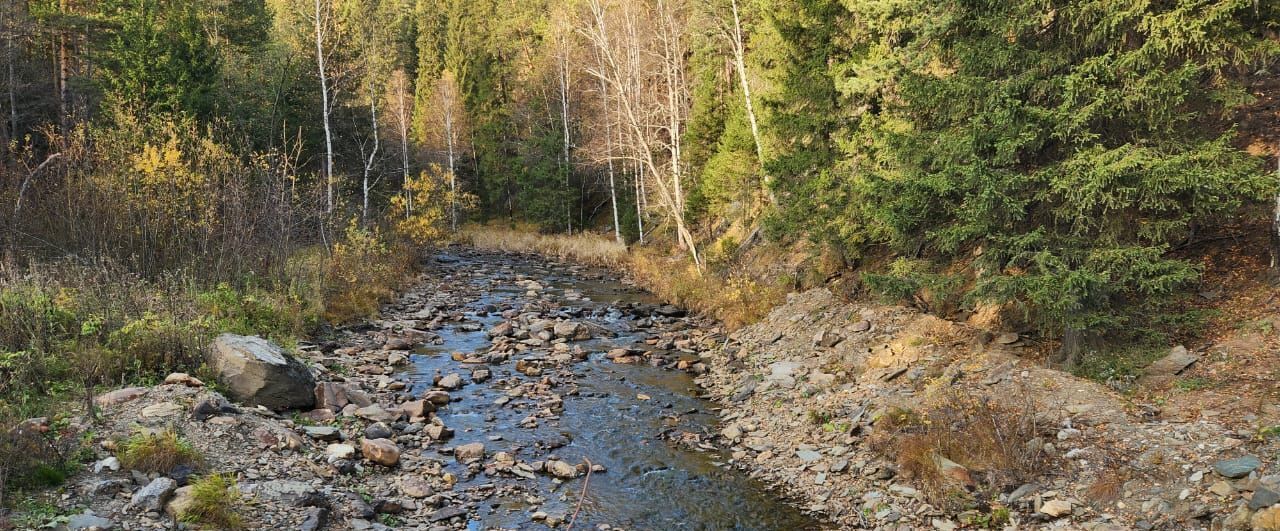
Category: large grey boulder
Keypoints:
(257, 372)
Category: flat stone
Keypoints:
(88, 521)
(469, 452)
(378, 430)
(450, 382)
(376, 413)
(415, 487)
(1238, 467)
(808, 456)
(322, 433)
(1056, 508)
(1263, 498)
(439, 398)
(561, 469)
(289, 492)
(340, 451)
(1222, 488)
(119, 396)
(447, 513)
(162, 409)
(1167, 367)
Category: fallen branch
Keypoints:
(586, 481)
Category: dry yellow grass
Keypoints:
(736, 298)
(585, 248)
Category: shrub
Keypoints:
(998, 446)
(157, 452)
(364, 270)
(214, 502)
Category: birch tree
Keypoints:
(653, 114)
(322, 19)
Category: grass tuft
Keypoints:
(158, 452)
(214, 502)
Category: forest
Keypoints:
(170, 169)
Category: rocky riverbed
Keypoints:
(501, 392)
(510, 392)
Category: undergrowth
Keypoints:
(997, 445)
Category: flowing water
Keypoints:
(650, 483)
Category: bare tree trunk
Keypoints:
(608, 148)
(564, 120)
(639, 176)
(368, 165)
(10, 30)
(64, 75)
(404, 146)
(453, 175)
(739, 61)
(324, 96)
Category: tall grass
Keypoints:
(736, 296)
(585, 248)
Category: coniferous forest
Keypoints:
(1087, 170)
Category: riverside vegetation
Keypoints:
(1083, 190)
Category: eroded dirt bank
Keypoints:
(815, 386)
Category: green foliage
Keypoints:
(158, 56)
(1063, 152)
(916, 282)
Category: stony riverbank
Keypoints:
(501, 388)
(808, 390)
(490, 396)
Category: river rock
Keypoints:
(153, 496)
(1056, 508)
(255, 371)
(378, 430)
(503, 329)
(450, 382)
(1263, 498)
(380, 451)
(414, 487)
(87, 521)
(469, 452)
(340, 451)
(1238, 467)
(417, 410)
(827, 339)
(439, 398)
(1266, 520)
(561, 469)
(376, 413)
